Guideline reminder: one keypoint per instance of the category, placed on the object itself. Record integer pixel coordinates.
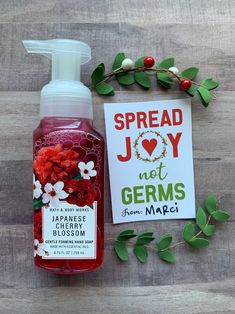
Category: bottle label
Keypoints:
(69, 231)
(65, 202)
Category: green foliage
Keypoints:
(221, 215)
(121, 251)
(104, 89)
(164, 242)
(189, 73)
(205, 95)
(139, 62)
(188, 232)
(201, 218)
(211, 203)
(164, 79)
(167, 256)
(125, 79)
(98, 74)
(37, 203)
(198, 242)
(163, 247)
(142, 79)
(166, 63)
(141, 253)
(118, 61)
(126, 235)
(139, 75)
(210, 84)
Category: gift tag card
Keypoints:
(150, 160)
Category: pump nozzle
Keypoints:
(65, 86)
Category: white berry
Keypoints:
(127, 64)
(174, 70)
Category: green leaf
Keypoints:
(210, 84)
(118, 61)
(198, 242)
(164, 80)
(37, 203)
(144, 240)
(98, 74)
(221, 215)
(201, 218)
(211, 203)
(141, 253)
(142, 79)
(139, 62)
(91, 206)
(104, 89)
(188, 232)
(166, 63)
(126, 235)
(189, 73)
(146, 234)
(78, 176)
(164, 242)
(205, 96)
(121, 251)
(192, 90)
(209, 230)
(167, 256)
(125, 78)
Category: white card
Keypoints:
(150, 160)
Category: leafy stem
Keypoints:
(163, 247)
(126, 72)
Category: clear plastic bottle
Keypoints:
(68, 166)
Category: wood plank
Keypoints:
(137, 12)
(214, 297)
(20, 115)
(213, 154)
(211, 176)
(211, 48)
(214, 263)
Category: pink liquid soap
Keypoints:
(79, 136)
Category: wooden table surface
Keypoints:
(199, 33)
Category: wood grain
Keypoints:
(177, 299)
(138, 12)
(207, 265)
(210, 48)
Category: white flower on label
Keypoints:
(54, 193)
(37, 188)
(174, 70)
(87, 170)
(127, 64)
(40, 249)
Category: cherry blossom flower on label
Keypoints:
(54, 193)
(37, 188)
(40, 249)
(87, 170)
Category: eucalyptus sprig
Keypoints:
(126, 72)
(194, 234)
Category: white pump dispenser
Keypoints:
(65, 95)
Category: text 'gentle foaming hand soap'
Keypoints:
(68, 166)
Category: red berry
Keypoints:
(149, 62)
(185, 84)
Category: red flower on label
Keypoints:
(80, 192)
(53, 164)
(38, 225)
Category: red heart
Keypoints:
(149, 145)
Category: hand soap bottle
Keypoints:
(68, 166)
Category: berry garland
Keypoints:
(137, 153)
(163, 247)
(126, 72)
